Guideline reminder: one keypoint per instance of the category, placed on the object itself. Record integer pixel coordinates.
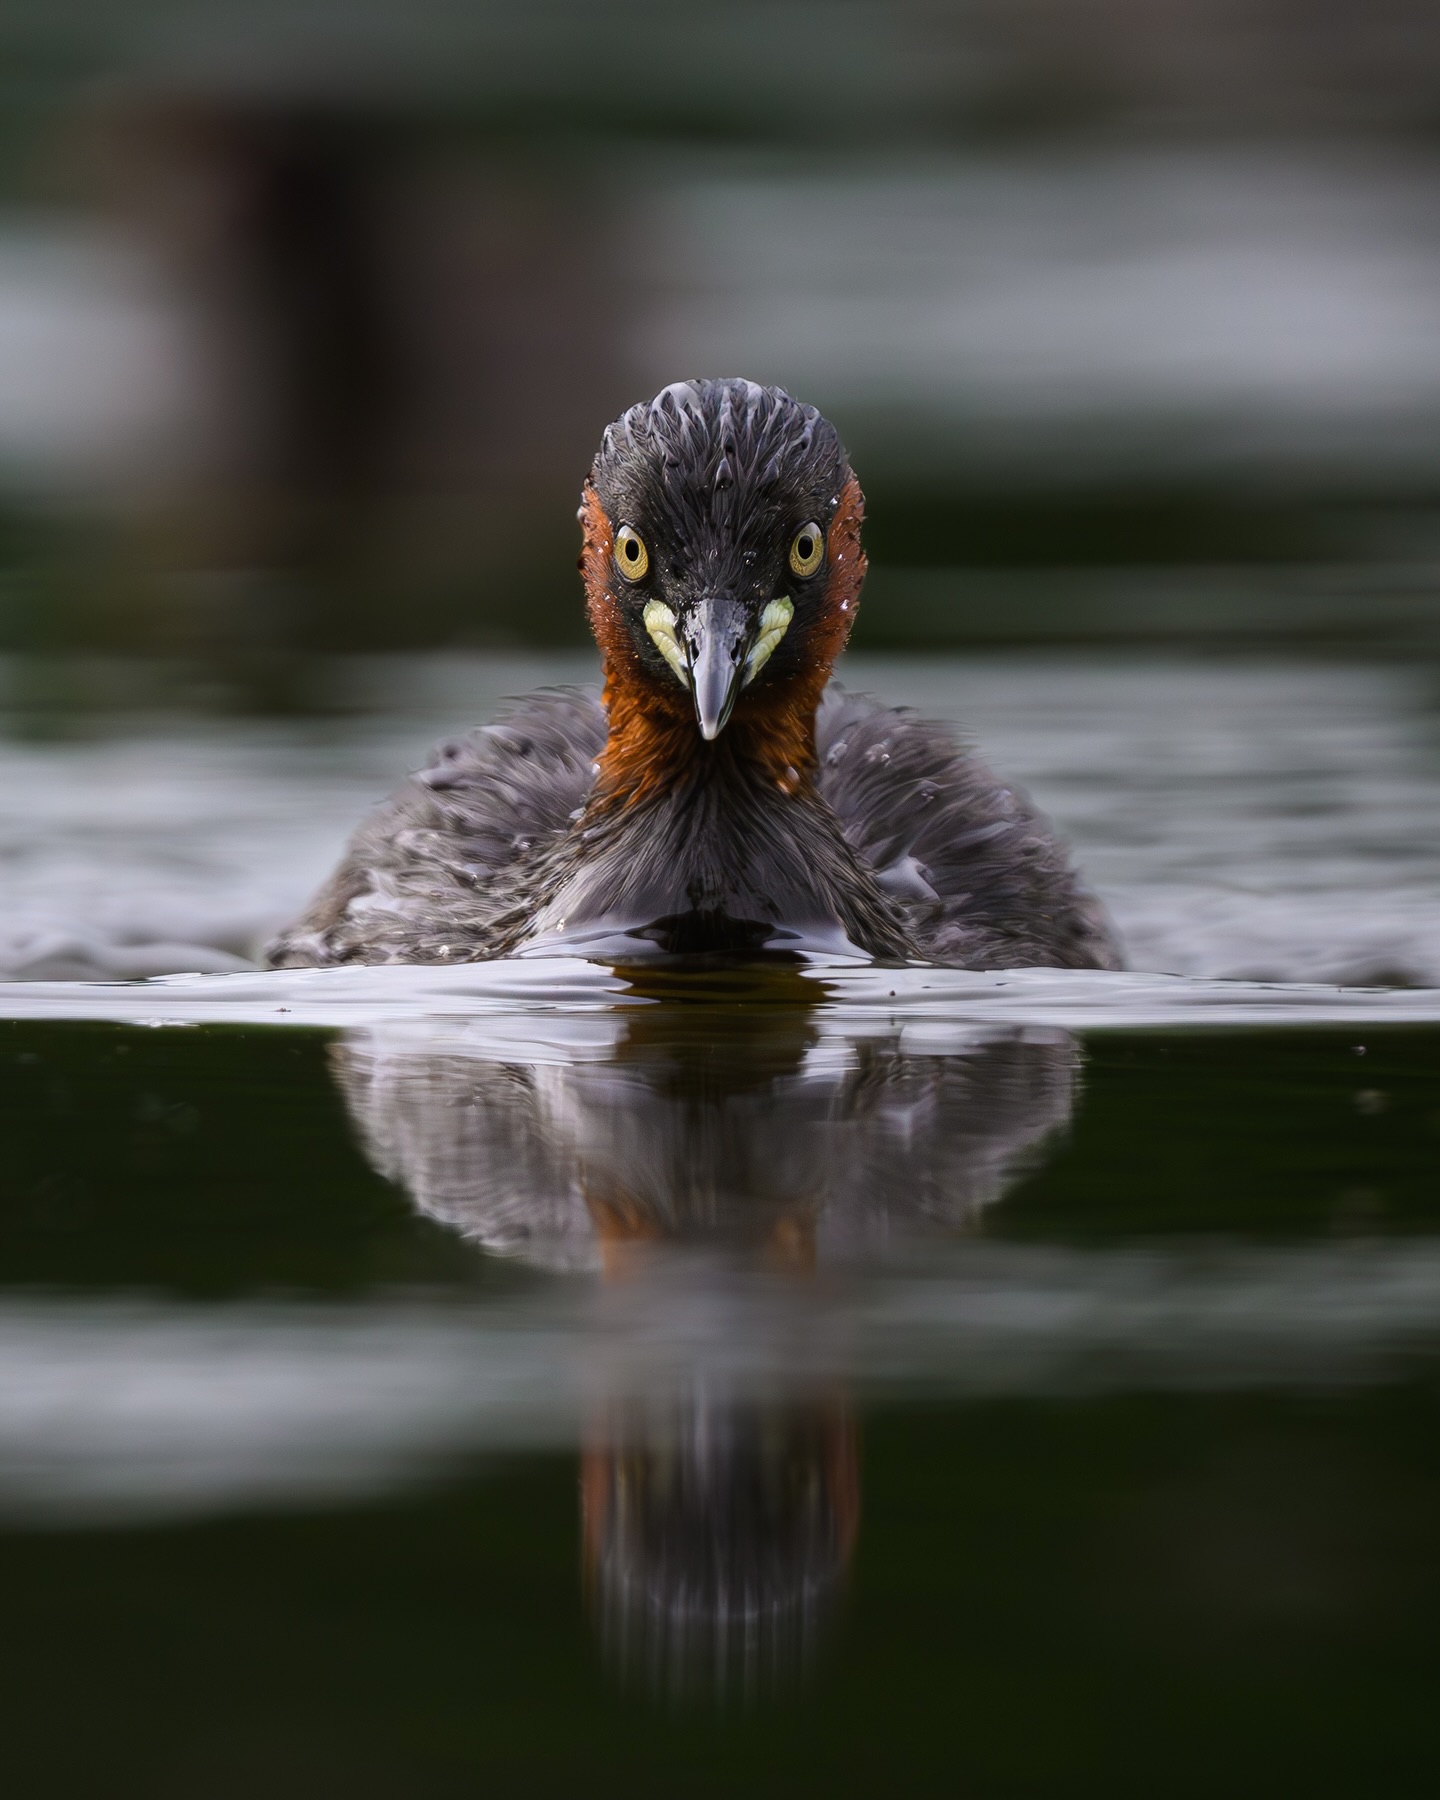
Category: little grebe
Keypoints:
(719, 794)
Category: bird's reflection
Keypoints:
(716, 1538)
(740, 1120)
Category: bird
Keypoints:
(720, 795)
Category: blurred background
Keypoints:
(309, 314)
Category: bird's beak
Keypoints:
(717, 635)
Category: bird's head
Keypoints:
(722, 554)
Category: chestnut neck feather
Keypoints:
(654, 742)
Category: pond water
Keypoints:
(789, 1379)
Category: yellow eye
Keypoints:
(807, 550)
(632, 559)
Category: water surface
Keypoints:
(811, 1378)
(709, 1387)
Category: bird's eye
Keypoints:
(631, 557)
(807, 550)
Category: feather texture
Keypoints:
(904, 841)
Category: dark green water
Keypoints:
(217, 1161)
(1186, 1584)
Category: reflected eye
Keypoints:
(807, 550)
(631, 557)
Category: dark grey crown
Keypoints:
(703, 454)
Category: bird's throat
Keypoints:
(654, 748)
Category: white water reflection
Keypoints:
(1241, 820)
(140, 1411)
(487, 1002)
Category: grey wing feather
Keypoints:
(978, 872)
(414, 882)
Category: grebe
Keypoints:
(719, 794)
